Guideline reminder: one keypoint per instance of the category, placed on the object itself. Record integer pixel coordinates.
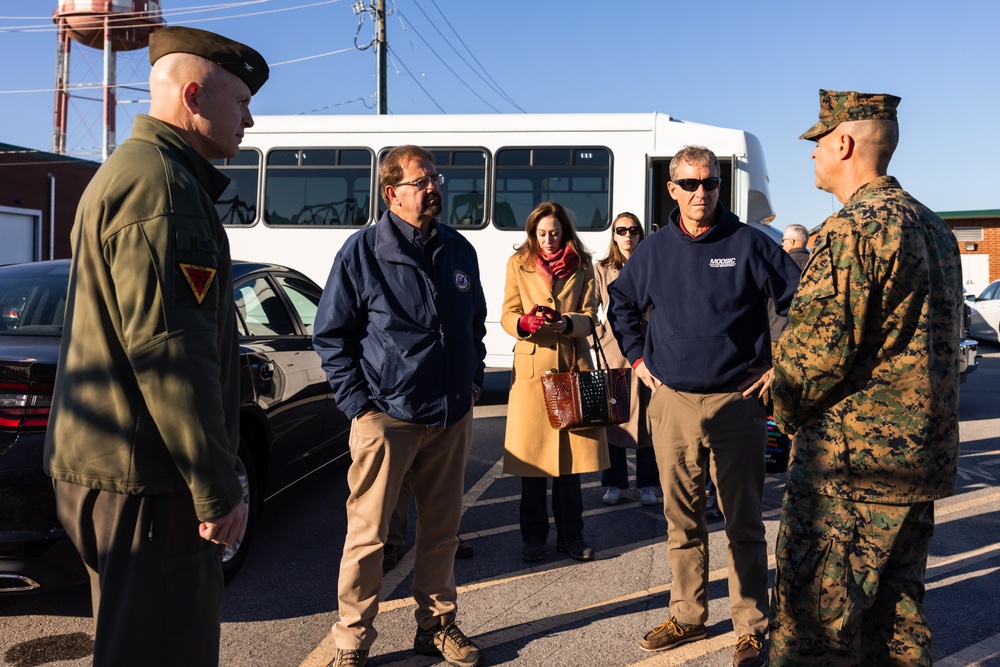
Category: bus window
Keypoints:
(238, 203)
(318, 187)
(464, 189)
(577, 178)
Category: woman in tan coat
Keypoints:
(548, 307)
(626, 235)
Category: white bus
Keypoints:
(302, 184)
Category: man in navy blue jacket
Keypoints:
(400, 331)
(705, 280)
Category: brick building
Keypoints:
(39, 192)
(978, 235)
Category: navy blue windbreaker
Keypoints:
(391, 335)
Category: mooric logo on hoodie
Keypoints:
(722, 262)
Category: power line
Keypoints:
(200, 8)
(443, 62)
(363, 100)
(318, 55)
(492, 83)
(416, 81)
(125, 18)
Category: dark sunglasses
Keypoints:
(691, 184)
(622, 231)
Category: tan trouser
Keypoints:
(383, 450)
(728, 433)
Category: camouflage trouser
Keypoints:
(849, 585)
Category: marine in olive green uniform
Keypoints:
(866, 377)
(144, 426)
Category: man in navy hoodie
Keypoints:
(705, 280)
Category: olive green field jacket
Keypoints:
(146, 397)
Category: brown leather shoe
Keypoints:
(751, 651)
(670, 634)
(447, 641)
(350, 658)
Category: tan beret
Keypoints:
(237, 58)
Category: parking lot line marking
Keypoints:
(944, 507)
(395, 576)
(976, 655)
(473, 495)
(959, 578)
(958, 562)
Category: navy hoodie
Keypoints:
(708, 323)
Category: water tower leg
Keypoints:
(63, 42)
(110, 81)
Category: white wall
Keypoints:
(975, 273)
(19, 230)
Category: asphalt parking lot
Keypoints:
(279, 609)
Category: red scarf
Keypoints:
(558, 265)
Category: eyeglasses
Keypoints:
(692, 184)
(622, 231)
(787, 240)
(424, 182)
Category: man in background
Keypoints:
(866, 378)
(794, 240)
(145, 413)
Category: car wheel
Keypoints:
(235, 554)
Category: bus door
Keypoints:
(659, 204)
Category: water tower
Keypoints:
(111, 25)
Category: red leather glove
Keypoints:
(530, 323)
(549, 314)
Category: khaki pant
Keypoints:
(156, 585)
(849, 585)
(383, 450)
(401, 515)
(726, 433)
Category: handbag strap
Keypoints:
(600, 351)
(601, 358)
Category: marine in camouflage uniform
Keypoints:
(866, 377)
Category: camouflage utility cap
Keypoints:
(232, 56)
(838, 106)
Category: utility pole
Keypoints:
(381, 46)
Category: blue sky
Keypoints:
(757, 66)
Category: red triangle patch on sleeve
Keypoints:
(199, 278)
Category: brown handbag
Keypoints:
(588, 399)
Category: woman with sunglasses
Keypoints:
(626, 233)
(549, 304)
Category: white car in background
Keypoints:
(985, 323)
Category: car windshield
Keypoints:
(32, 306)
